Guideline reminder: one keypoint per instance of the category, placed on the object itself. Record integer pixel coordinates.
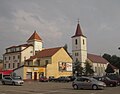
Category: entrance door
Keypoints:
(35, 75)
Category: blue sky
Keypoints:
(56, 20)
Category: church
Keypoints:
(80, 53)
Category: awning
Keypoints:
(6, 72)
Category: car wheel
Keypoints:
(3, 82)
(13, 83)
(75, 87)
(94, 87)
(111, 85)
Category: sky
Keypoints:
(56, 21)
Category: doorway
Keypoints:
(35, 75)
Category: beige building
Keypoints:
(15, 56)
(79, 53)
(48, 62)
(30, 60)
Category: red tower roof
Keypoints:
(34, 36)
(78, 31)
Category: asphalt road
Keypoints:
(31, 87)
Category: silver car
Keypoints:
(87, 83)
(12, 80)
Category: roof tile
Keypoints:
(96, 58)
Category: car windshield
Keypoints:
(92, 79)
(16, 78)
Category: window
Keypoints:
(46, 61)
(95, 69)
(9, 65)
(83, 42)
(5, 66)
(18, 56)
(9, 57)
(18, 64)
(76, 54)
(5, 58)
(76, 42)
(13, 57)
(13, 65)
(31, 51)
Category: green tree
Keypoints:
(77, 68)
(107, 57)
(114, 60)
(109, 69)
(65, 47)
(88, 69)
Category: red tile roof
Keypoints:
(22, 45)
(78, 31)
(96, 58)
(113, 67)
(34, 36)
(45, 53)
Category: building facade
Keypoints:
(30, 60)
(53, 62)
(79, 53)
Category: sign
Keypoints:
(65, 66)
(35, 69)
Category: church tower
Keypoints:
(79, 46)
(36, 41)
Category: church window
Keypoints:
(83, 41)
(76, 54)
(76, 42)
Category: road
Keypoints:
(31, 87)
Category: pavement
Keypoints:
(35, 87)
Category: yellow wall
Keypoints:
(33, 69)
(53, 69)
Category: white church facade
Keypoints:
(79, 53)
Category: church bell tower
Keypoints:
(79, 46)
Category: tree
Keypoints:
(109, 69)
(77, 68)
(107, 57)
(88, 69)
(65, 47)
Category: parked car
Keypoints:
(63, 79)
(11, 80)
(107, 81)
(43, 79)
(72, 78)
(52, 79)
(17, 77)
(114, 77)
(87, 83)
